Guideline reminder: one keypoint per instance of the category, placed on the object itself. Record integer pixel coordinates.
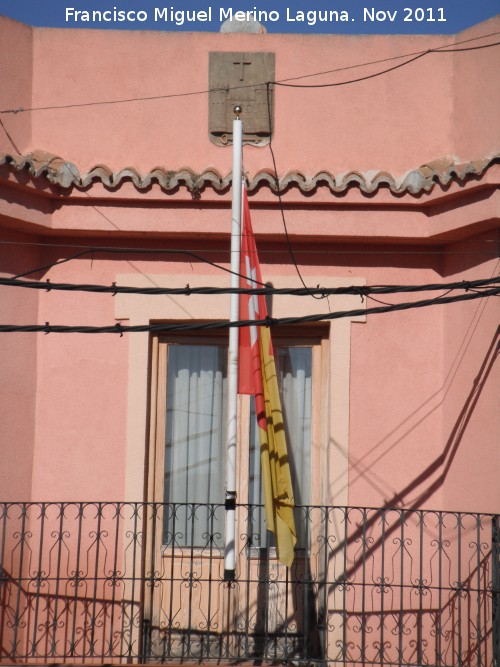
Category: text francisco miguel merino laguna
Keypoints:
(180, 17)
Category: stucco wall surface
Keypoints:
(417, 398)
(433, 107)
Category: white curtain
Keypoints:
(294, 369)
(195, 444)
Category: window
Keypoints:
(195, 440)
(191, 438)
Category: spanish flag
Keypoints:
(257, 376)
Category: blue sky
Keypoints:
(351, 17)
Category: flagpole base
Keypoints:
(229, 575)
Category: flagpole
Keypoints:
(232, 380)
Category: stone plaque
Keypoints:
(241, 78)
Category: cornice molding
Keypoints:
(65, 175)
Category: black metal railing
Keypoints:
(141, 582)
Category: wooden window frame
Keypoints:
(315, 337)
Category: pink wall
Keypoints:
(426, 435)
(16, 56)
(435, 106)
(472, 99)
(65, 398)
(416, 393)
(18, 384)
(406, 388)
(471, 380)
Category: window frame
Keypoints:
(314, 336)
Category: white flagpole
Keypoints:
(232, 380)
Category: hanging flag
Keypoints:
(257, 376)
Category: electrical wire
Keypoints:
(319, 293)
(281, 82)
(289, 244)
(278, 190)
(385, 60)
(359, 290)
(385, 71)
(270, 251)
(361, 78)
(121, 329)
(453, 49)
(91, 250)
(385, 303)
(122, 101)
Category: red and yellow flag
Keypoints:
(257, 376)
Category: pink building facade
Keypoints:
(390, 180)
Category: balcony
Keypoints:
(138, 583)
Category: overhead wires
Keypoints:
(385, 71)
(121, 329)
(473, 289)
(357, 290)
(446, 48)
(92, 250)
(335, 249)
(278, 190)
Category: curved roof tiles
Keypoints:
(422, 179)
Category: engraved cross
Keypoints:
(242, 62)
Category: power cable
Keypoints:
(268, 251)
(453, 49)
(110, 250)
(361, 78)
(385, 71)
(385, 60)
(359, 290)
(281, 82)
(122, 101)
(278, 190)
(211, 325)
(385, 303)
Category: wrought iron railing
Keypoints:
(136, 582)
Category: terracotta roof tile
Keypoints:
(66, 174)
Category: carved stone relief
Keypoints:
(240, 79)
